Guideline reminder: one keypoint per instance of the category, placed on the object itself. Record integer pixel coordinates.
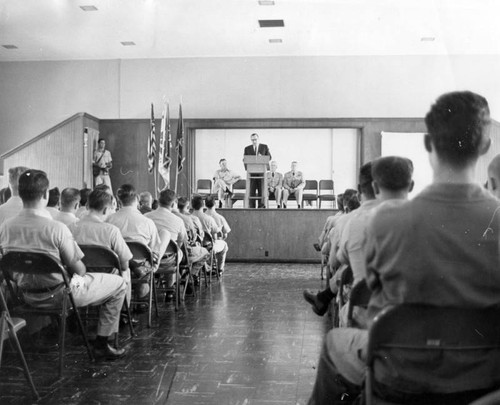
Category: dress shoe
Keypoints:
(284, 206)
(124, 320)
(318, 307)
(108, 352)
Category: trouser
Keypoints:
(103, 179)
(298, 195)
(255, 190)
(340, 368)
(220, 250)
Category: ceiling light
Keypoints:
(10, 46)
(88, 8)
(275, 40)
(128, 43)
(271, 23)
(427, 39)
(266, 2)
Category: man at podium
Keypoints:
(256, 149)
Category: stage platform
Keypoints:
(274, 235)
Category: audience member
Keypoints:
(210, 226)
(145, 202)
(84, 195)
(5, 194)
(53, 202)
(274, 184)
(34, 230)
(14, 205)
(440, 248)
(70, 202)
(494, 176)
(223, 183)
(219, 219)
(293, 184)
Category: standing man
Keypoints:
(274, 183)
(293, 183)
(256, 149)
(102, 159)
(223, 183)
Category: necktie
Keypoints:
(255, 149)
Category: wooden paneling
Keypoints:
(58, 152)
(274, 235)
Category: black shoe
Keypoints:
(318, 307)
(108, 352)
(141, 308)
(124, 320)
(284, 206)
(220, 204)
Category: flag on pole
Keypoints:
(180, 141)
(164, 159)
(152, 143)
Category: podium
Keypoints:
(256, 167)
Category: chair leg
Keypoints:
(62, 333)
(80, 325)
(150, 299)
(129, 317)
(3, 326)
(155, 298)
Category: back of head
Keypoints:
(352, 203)
(99, 199)
(393, 173)
(145, 198)
(365, 181)
(494, 176)
(103, 187)
(84, 195)
(209, 202)
(33, 185)
(182, 203)
(167, 198)
(14, 174)
(127, 194)
(54, 195)
(457, 125)
(197, 202)
(69, 198)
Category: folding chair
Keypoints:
(310, 192)
(143, 254)
(208, 243)
(204, 187)
(239, 191)
(346, 279)
(170, 267)
(38, 264)
(326, 192)
(420, 354)
(8, 329)
(185, 268)
(359, 297)
(101, 259)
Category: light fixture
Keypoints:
(271, 23)
(275, 40)
(10, 46)
(88, 8)
(128, 43)
(427, 39)
(266, 2)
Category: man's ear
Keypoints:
(105, 210)
(492, 183)
(77, 205)
(427, 143)
(412, 184)
(376, 188)
(359, 189)
(485, 146)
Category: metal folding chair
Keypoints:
(170, 268)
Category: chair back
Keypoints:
(239, 189)
(208, 241)
(419, 351)
(140, 252)
(173, 249)
(326, 187)
(204, 187)
(310, 191)
(100, 259)
(359, 297)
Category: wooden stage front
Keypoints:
(274, 235)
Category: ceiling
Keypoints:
(61, 30)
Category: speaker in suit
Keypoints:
(256, 149)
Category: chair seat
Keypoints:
(17, 323)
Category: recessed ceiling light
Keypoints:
(128, 43)
(88, 8)
(9, 46)
(275, 40)
(271, 23)
(266, 3)
(427, 39)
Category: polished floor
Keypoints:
(249, 339)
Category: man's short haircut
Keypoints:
(197, 202)
(352, 203)
(209, 201)
(392, 172)
(33, 185)
(127, 194)
(69, 197)
(254, 134)
(457, 124)
(167, 197)
(365, 180)
(182, 203)
(145, 198)
(103, 187)
(222, 160)
(54, 195)
(84, 196)
(14, 174)
(99, 199)
(101, 139)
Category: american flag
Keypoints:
(164, 160)
(152, 143)
(180, 141)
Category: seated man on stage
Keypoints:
(293, 183)
(35, 230)
(274, 184)
(442, 262)
(223, 183)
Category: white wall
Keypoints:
(37, 95)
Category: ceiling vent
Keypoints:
(10, 46)
(271, 23)
(275, 40)
(266, 3)
(128, 43)
(88, 8)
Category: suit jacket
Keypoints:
(292, 182)
(276, 181)
(263, 150)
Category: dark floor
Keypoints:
(247, 340)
